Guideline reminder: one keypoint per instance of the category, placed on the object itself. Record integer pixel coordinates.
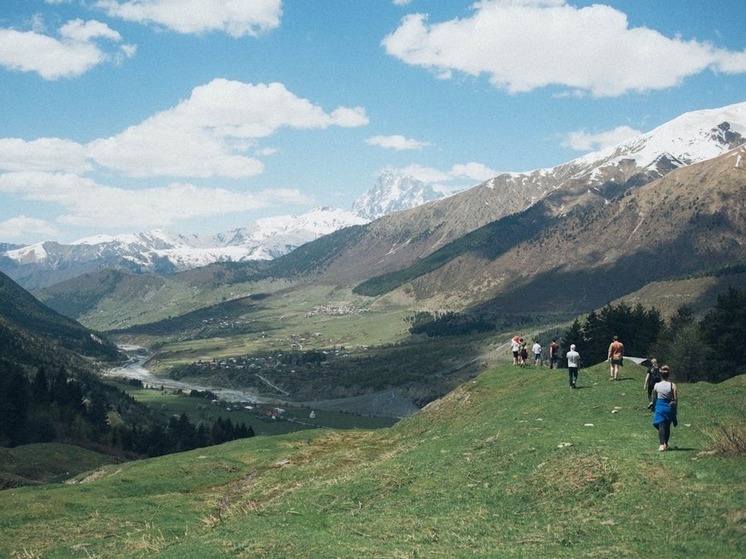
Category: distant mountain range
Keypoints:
(405, 219)
(163, 252)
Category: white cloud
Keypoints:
(402, 2)
(425, 174)
(75, 51)
(477, 172)
(44, 154)
(528, 44)
(86, 203)
(22, 227)
(397, 142)
(208, 134)
(580, 140)
(237, 18)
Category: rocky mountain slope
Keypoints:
(690, 221)
(401, 239)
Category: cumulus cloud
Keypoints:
(522, 45)
(213, 133)
(87, 203)
(476, 172)
(580, 140)
(237, 18)
(396, 142)
(76, 50)
(44, 154)
(22, 227)
(208, 134)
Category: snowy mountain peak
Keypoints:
(393, 192)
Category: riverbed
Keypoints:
(135, 368)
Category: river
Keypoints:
(135, 369)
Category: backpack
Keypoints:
(655, 376)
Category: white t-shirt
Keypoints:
(537, 348)
(573, 358)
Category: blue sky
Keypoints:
(200, 116)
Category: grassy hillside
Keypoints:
(511, 464)
(35, 464)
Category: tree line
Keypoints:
(82, 410)
(705, 349)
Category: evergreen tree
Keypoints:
(723, 331)
(685, 354)
(15, 402)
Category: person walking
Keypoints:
(616, 356)
(537, 353)
(652, 377)
(666, 397)
(554, 354)
(515, 346)
(522, 354)
(573, 364)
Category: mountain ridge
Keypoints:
(590, 179)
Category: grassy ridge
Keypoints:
(507, 465)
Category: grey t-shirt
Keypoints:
(664, 390)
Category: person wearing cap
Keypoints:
(573, 364)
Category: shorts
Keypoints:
(617, 362)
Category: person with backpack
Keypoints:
(652, 377)
(666, 396)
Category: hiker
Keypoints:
(666, 396)
(515, 346)
(537, 353)
(554, 354)
(616, 356)
(573, 364)
(523, 353)
(652, 377)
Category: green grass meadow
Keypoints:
(511, 464)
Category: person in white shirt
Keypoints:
(537, 353)
(573, 364)
(515, 346)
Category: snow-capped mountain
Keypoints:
(392, 193)
(160, 251)
(691, 138)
